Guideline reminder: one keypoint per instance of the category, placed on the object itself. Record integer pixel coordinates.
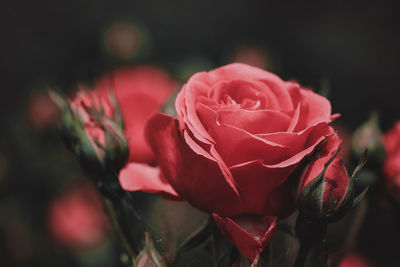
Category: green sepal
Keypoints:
(149, 256)
(347, 202)
(206, 247)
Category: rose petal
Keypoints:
(194, 177)
(214, 156)
(142, 177)
(249, 233)
(140, 108)
(314, 109)
(255, 181)
(238, 145)
(228, 93)
(255, 121)
(240, 71)
(185, 106)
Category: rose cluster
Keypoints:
(246, 146)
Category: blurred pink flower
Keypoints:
(77, 219)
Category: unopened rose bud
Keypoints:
(92, 129)
(368, 136)
(326, 190)
(149, 256)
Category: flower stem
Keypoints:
(110, 210)
(302, 256)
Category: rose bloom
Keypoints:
(240, 133)
(391, 166)
(76, 218)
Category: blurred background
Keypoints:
(349, 52)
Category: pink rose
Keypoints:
(240, 133)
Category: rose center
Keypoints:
(249, 103)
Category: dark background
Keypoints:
(352, 47)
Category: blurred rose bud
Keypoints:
(354, 260)
(368, 136)
(76, 218)
(149, 256)
(92, 129)
(326, 190)
(42, 111)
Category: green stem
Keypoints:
(302, 256)
(110, 210)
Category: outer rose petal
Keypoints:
(140, 91)
(249, 233)
(255, 182)
(314, 108)
(142, 177)
(195, 177)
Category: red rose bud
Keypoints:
(326, 190)
(149, 256)
(92, 129)
(76, 218)
(369, 136)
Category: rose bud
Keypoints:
(92, 129)
(76, 218)
(369, 136)
(128, 96)
(391, 166)
(240, 134)
(326, 193)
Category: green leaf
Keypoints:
(361, 164)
